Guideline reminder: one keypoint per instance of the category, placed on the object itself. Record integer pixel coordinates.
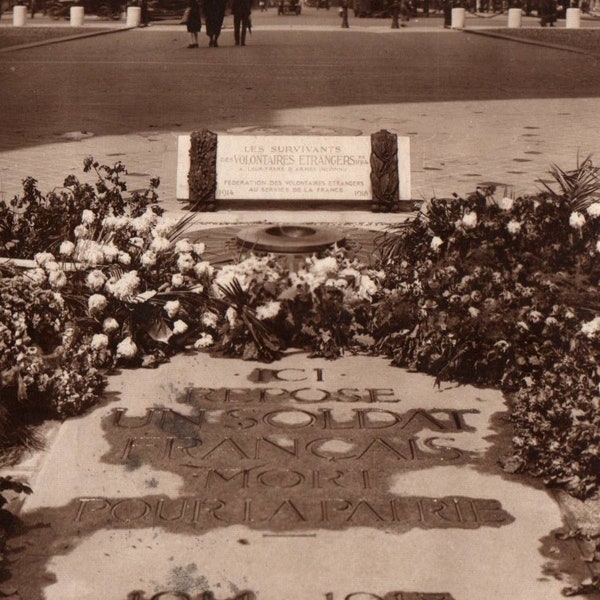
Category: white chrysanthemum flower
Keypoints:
(199, 248)
(367, 288)
(99, 341)
(179, 327)
(177, 280)
(593, 209)
(436, 242)
(184, 245)
(185, 262)
(66, 248)
(209, 319)
(163, 226)
(535, 316)
(513, 227)
(109, 222)
(598, 246)
(111, 252)
(90, 252)
(109, 325)
(81, 232)
(473, 311)
(591, 328)
(203, 268)
(160, 244)
(97, 303)
(144, 223)
(324, 266)
(148, 259)
(88, 217)
(95, 280)
(136, 241)
(506, 203)
(41, 258)
(204, 341)
(268, 310)
(57, 279)
(172, 308)
(51, 265)
(124, 258)
(469, 220)
(127, 348)
(125, 287)
(37, 275)
(576, 220)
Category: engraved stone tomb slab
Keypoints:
(297, 480)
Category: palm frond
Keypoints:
(181, 227)
(579, 187)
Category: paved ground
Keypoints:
(477, 109)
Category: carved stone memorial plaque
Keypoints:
(296, 168)
(297, 480)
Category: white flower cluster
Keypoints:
(268, 311)
(125, 287)
(576, 220)
(252, 269)
(591, 328)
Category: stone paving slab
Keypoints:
(301, 479)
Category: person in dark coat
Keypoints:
(241, 10)
(548, 12)
(193, 22)
(214, 13)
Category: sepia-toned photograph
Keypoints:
(299, 299)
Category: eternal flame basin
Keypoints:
(289, 239)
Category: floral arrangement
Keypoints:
(34, 222)
(503, 292)
(260, 308)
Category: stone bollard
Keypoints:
(76, 16)
(515, 17)
(458, 18)
(573, 18)
(134, 16)
(19, 15)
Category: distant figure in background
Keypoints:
(241, 10)
(33, 8)
(192, 21)
(214, 13)
(144, 17)
(447, 8)
(548, 12)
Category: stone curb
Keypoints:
(68, 38)
(520, 40)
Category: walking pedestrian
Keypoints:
(447, 8)
(193, 22)
(214, 13)
(548, 12)
(241, 10)
(144, 16)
